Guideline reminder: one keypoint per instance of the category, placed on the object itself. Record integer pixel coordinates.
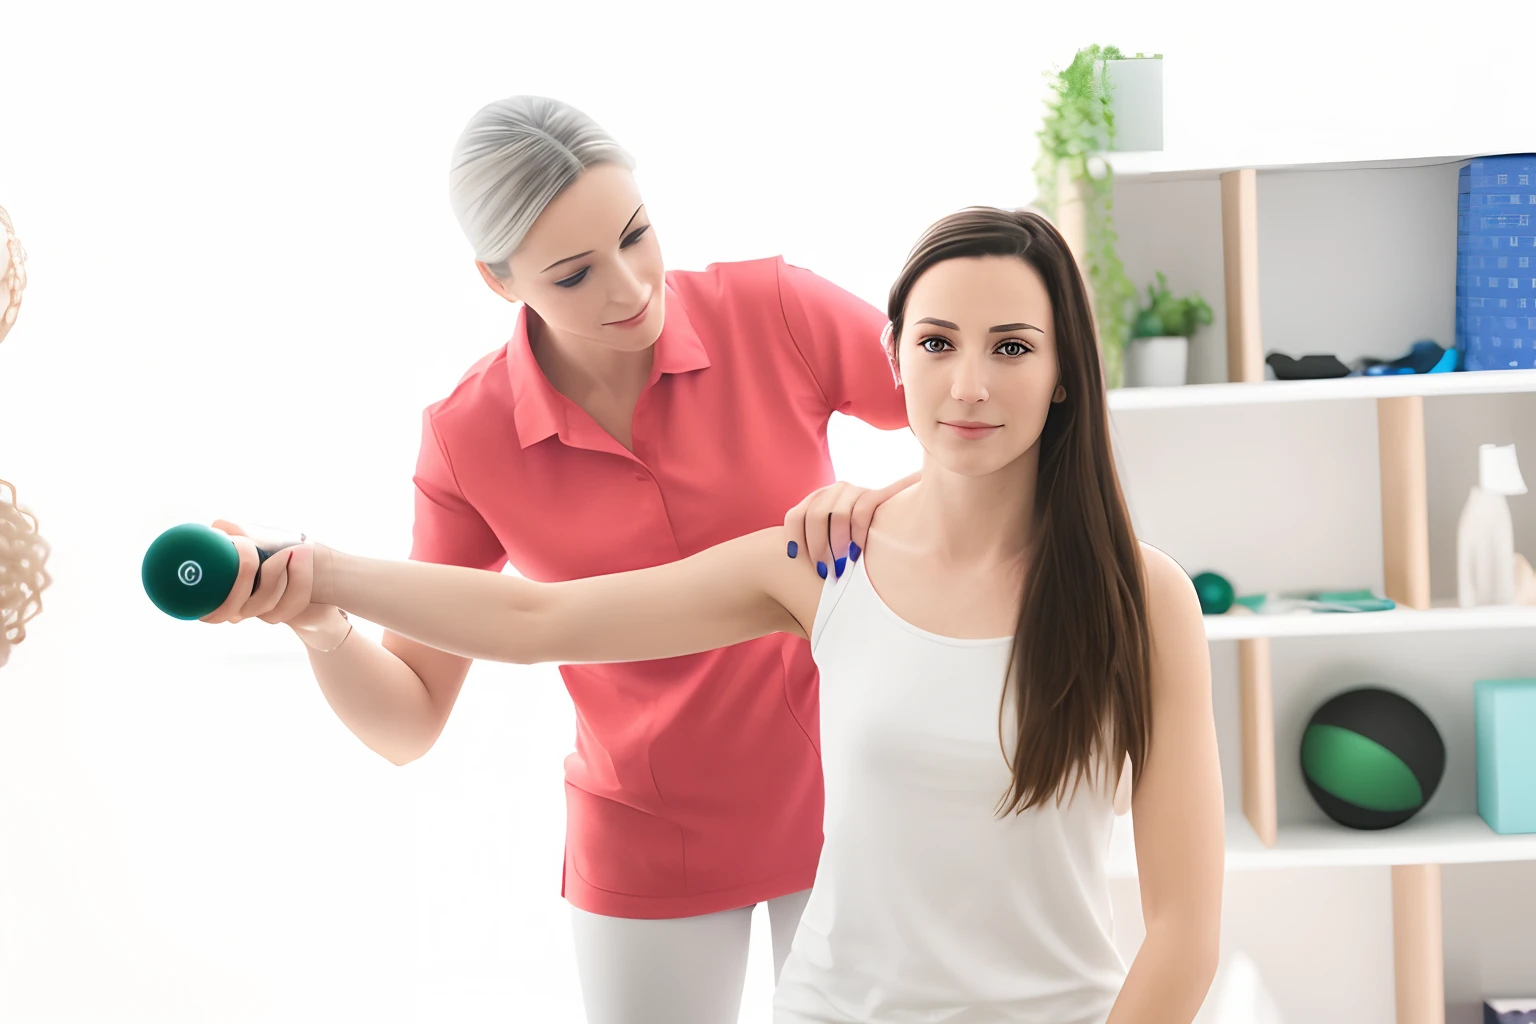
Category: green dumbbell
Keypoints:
(190, 569)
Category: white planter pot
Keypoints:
(1156, 362)
(1136, 98)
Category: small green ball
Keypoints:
(1215, 593)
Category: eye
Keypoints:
(1013, 349)
(573, 280)
(634, 236)
(932, 340)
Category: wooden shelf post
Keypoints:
(1256, 709)
(1418, 954)
(1404, 501)
(1072, 219)
(1240, 258)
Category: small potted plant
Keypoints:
(1158, 354)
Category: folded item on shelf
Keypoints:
(1291, 603)
(1423, 357)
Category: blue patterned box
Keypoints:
(1499, 174)
(1496, 243)
(1489, 221)
(1509, 281)
(1496, 263)
(1504, 715)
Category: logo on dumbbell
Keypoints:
(190, 573)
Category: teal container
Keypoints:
(1505, 713)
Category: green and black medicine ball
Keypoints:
(1371, 758)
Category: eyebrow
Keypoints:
(991, 330)
(581, 255)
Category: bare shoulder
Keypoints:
(1174, 619)
(1168, 585)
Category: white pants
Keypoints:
(688, 970)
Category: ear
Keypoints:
(495, 283)
(1059, 395)
(888, 342)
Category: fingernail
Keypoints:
(853, 552)
(821, 569)
(794, 549)
(841, 563)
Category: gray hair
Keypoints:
(512, 159)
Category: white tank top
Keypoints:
(929, 907)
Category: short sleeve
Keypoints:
(447, 529)
(840, 337)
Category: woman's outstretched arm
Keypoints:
(734, 592)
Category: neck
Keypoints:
(983, 521)
(578, 368)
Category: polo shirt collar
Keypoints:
(540, 411)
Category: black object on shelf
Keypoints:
(1509, 1011)
(1314, 367)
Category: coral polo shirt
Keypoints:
(695, 785)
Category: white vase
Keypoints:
(1136, 100)
(1485, 536)
(1156, 362)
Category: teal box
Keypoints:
(1505, 710)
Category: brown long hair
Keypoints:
(1081, 661)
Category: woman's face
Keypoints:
(591, 266)
(978, 361)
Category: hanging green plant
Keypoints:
(1079, 128)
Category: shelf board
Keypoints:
(1166, 166)
(1399, 620)
(1442, 839)
(1190, 396)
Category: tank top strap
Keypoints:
(833, 591)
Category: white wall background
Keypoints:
(245, 283)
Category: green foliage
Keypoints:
(1166, 316)
(1079, 127)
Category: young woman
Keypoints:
(636, 416)
(1004, 646)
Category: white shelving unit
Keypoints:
(1258, 838)
(1163, 165)
(1445, 839)
(1235, 626)
(1418, 385)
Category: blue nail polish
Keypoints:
(841, 564)
(853, 552)
(794, 549)
(821, 569)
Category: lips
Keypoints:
(631, 321)
(971, 430)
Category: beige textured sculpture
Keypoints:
(22, 551)
(13, 279)
(23, 555)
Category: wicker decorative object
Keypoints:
(13, 279)
(23, 578)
